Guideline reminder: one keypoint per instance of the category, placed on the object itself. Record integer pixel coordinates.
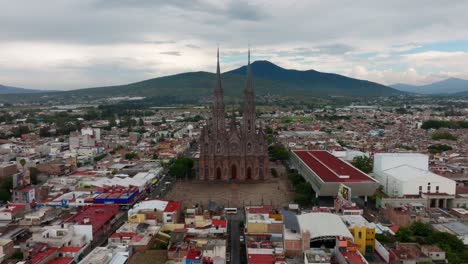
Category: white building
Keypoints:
(404, 174)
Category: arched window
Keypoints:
(218, 147)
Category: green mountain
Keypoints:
(268, 79)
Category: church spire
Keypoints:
(218, 101)
(249, 101)
(248, 84)
(218, 72)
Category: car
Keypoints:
(241, 238)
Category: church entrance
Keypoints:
(233, 172)
(249, 173)
(218, 174)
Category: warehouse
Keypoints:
(404, 174)
(325, 173)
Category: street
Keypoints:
(235, 248)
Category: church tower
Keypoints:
(218, 102)
(248, 119)
(238, 152)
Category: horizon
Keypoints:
(92, 43)
(222, 72)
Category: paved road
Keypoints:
(236, 248)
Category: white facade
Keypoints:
(384, 161)
(407, 174)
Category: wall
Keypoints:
(383, 161)
(382, 251)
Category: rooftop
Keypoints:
(95, 215)
(330, 168)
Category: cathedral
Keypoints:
(238, 151)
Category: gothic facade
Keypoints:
(238, 151)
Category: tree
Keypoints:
(182, 167)
(364, 163)
(404, 234)
(131, 155)
(437, 135)
(22, 163)
(420, 229)
(141, 122)
(278, 152)
(33, 173)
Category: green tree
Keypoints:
(141, 122)
(420, 229)
(438, 135)
(6, 184)
(131, 155)
(278, 152)
(33, 174)
(404, 234)
(22, 163)
(182, 167)
(363, 163)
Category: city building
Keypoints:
(363, 232)
(325, 173)
(239, 153)
(95, 220)
(407, 174)
(155, 212)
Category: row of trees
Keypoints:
(436, 124)
(438, 135)
(304, 195)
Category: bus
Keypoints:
(230, 210)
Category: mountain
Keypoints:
(268, 79)
(15, 90)
(448, 86)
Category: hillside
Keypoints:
(448, 86)
(268, 79)
(15, 90)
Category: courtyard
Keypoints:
(276, 192)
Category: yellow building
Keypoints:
(362, 231)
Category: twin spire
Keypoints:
(248, 85)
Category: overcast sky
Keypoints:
(65, 44)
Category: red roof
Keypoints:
(219, 223)
(260, 259)
(60, 261)
(13, 207)
(98, 215)
(394, 228)
(193, 254)
(172, 206)
(40, 256)
(266, 209)
(69, 249)
(329, 168)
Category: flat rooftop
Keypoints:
(330, 168)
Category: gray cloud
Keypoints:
(172, 53)
(297, 34)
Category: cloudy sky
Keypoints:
(65, 44)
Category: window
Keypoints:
(428, 189)
(437, 189)
(420, 190)
(360, 234)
